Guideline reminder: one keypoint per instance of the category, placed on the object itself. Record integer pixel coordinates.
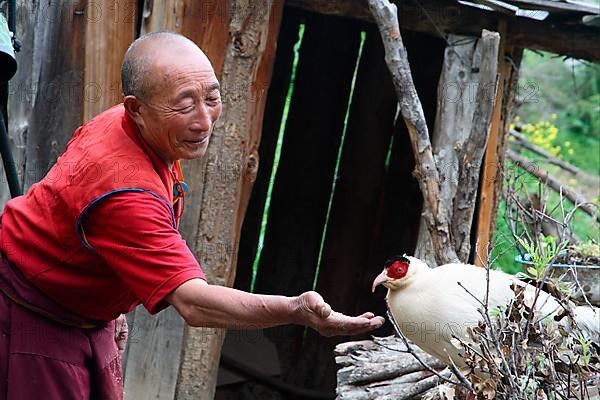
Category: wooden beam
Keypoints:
(230, 168)
(574, 40)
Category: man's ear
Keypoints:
(132, 107)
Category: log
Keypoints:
(522, 141)
(435, 213)
(381, 369)
(473, 151)
(554, 184)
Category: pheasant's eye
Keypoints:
(397, 270)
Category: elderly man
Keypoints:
(98, 236)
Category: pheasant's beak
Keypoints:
(381, 278)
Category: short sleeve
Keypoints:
(133, 233)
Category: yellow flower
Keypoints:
(567, 144)
(570, 152)
(517, 118)
(553, 116)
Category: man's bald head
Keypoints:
(137, 77)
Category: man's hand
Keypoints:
(121, 332)
(313, 311)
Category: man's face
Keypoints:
(177, 119)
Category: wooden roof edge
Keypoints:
(556, 6)
(572, 40)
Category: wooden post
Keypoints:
(465, 90)
(230, 169)
(491, 180)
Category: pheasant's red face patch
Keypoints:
(397, 269)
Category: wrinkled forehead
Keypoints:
(189, 74)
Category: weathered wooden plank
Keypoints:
(491, 175)
(153, 355)
(206, 22)
(110, 29)
(276, 96)
(229, 174)
(345, 275)
(575, 40)
(21, 93)
(163, 15)
(303, 182)
(58, 109)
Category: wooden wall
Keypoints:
(376, 205)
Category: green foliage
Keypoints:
(568, 93)
(541, 256)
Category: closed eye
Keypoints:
(186, 109)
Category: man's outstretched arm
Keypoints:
(201, 304)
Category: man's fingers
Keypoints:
(368, 315)
(324, 310)
(340, 324)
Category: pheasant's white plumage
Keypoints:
(429, 306)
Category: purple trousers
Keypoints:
(41, 358)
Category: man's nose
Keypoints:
(202, 119)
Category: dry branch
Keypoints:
(426, 172)
(554, 184)
(522, 141)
